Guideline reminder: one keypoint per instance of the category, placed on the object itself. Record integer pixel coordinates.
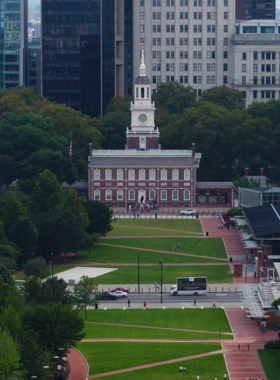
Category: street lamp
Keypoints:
(138, 272)
(51, 269)
(160, 262)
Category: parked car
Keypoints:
(120, 294)
(120, 289)
(107, 296)
(189, 211)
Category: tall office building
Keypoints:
(13, 42)
(255, 9)
(185, 40)
(84, 50)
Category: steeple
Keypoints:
(142, 69)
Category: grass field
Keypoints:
(168, 224)
(150, 274)
(270, 360)
(95, 331)
(192, 319)
(111, 356)
(194, 246)
(106, 254)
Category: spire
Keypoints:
(142, 69)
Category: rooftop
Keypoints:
(143, 153)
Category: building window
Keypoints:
(225, 79)
(96, 174)
(108, 174)
(225, 41)
(131, 174)
(142, 28)
(152, 174)
(108, 195)
(187, 195)
(120, 174)
(131, 195)
(97, 195)
(225, 15)
(225, 54)
(244, 67)
(175, 195)
(255, 55)
(120, 195)
(142, 174)
(243, 80)
(208, 79)
(255, 68)
(255, 94)
(225, 28)
(142, 15)
(163, 174)
(255, 79)
(225, 67)
(163, 195)
(152, 195)
(142, 3)
(213, 80)
(186, 174)
(175, 174)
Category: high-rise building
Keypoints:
(185, 40)
(255, 9)
(84, 51)
(13, 42)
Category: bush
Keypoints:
(36, 267)
(272, 345)
(234, 212)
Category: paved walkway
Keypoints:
(241, 354)
(78, 365)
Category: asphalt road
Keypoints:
(154, 298)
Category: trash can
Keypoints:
(197, 215)
(96, 306)
(230, 259)
(207, 233)
(156, 216)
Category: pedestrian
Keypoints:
(155, 286)
(222, 226)
(214, 304)
(197, 377)
(225, 376)
(218, 226)
(255, 275)
(158, 288)
(138, 214)
(145, 305)
(134, 215)
(194, 302)
(128, 303)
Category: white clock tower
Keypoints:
(142, 134)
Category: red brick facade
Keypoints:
(134, 143)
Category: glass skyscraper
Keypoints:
(255, 9)
(13, 42)
(83, 52)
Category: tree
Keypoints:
(73, 203)
(10, 366)
(224, 96)
(8, 169)
(91, 239)
(276, 303)
(119, 104)
(24, 234)
(86, 291)
(5, 273)
(115, 124)
(12, 211)
(47, 193)
(245, 183)
(36, 267)
(174, 97)
(100, 217)
(57, 325)
(14, 192)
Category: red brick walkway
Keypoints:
(241, 354)
(78, 366)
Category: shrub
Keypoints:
(36, 267)
(272, 345)
(234, 212)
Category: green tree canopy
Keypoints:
(86, 291)
(10, 365)
(115, 124)
(174, 97)
(36, 267)
(119, 104)
(100, 217)
(12, 211)
(245, 183)
(224, 96)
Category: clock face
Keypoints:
(142, 118)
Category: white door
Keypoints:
(141, 193)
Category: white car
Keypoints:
(120, 294)
(189, 211)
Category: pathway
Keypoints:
(78, 365)
(241, 354)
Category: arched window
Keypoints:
(213, 196)
(202, 196)
(142, 92)
(224, 196)
(148, 92)
(137, 95)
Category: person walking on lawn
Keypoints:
(145, 305)
(194, 302)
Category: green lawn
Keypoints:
(270, 361)
(111, 356)
(195, 246)
(106, 254)
(135, 231)
(192, 319)
(150, 274)
(169, 224)
(207, 368)
(95, 331)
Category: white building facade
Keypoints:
(185, 40)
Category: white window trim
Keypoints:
(187, 199)
(152, 177)
(96, 193)
(95, 176)
(187, 174)
(131, 199)
(120, 192)
(108, 192)
(175, 178)
(108, 174)
(151, 199)
(175, 199)
(120, 174)
(131, 177)
(163, 178)
(143, 172)
(163, 199)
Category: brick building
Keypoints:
(142, 170)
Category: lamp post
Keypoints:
(138, 272)
(160, 262)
